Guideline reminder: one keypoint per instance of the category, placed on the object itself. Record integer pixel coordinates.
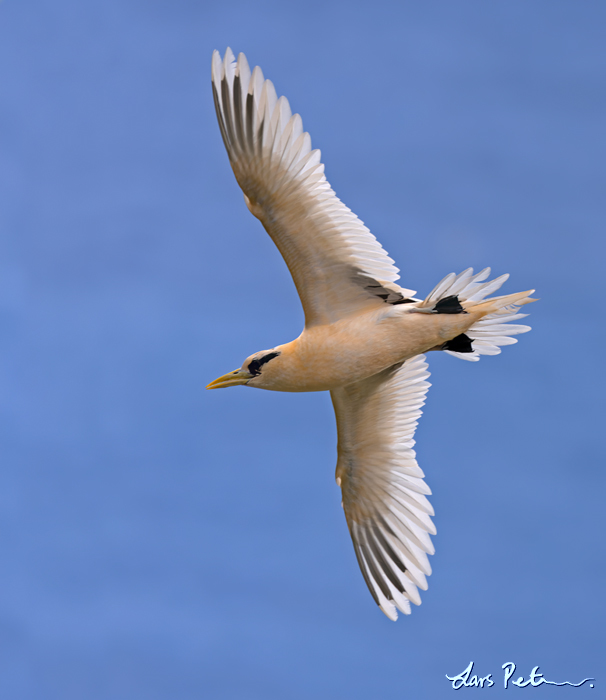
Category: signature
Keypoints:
(465, 679)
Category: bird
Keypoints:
(365, 337)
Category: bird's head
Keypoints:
(255, 371)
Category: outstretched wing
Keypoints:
(382, 485)
(337, 265)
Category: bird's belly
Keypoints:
(326, 357)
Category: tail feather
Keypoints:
(494, 304)
(495, 327)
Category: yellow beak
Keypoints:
(238, 376)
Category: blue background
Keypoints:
(162, 542)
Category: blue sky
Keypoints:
(162, 542)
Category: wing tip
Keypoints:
(229, 55)
(389, 610)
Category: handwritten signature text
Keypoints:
(467, 679)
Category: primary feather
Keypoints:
(324, 244)
(384, 495)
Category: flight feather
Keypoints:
(384, 495)
(333, 258)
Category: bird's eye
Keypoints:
(254, 367)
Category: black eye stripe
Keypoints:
(254, 366)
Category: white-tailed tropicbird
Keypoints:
(364, 335)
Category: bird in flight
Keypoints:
(364, 337)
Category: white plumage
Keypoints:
(384, 495)
(283, 181)
(364, 334)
